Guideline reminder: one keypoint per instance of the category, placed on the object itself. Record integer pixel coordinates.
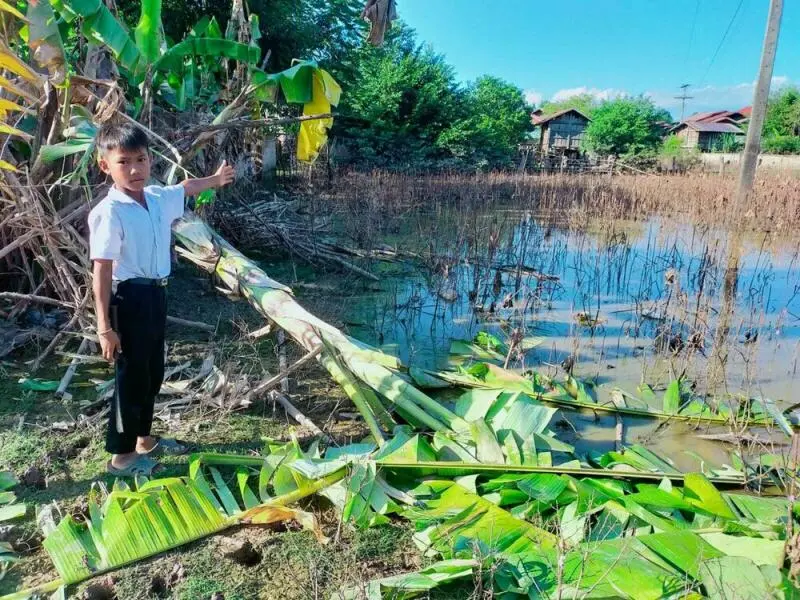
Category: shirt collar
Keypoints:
(120, 196)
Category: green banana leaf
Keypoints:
(149, 33)
(664, 554)
(173, 58)
(161, 514)
(9, 509)
(207, 27)
(575, 396)
(58, 151)
(102, 27)
(412, 585)
(295, 83)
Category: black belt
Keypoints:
(145, 281)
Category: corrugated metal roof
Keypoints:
(540, 120)
(711, 127)
(720, 116)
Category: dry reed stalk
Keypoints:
(700, 198)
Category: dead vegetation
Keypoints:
(576, 200)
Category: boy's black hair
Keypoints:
(125, 136)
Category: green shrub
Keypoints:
(672, 146)
(781, 144)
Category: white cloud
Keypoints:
(598, 94)
(780, 81)
(713, 97)
(533, 97)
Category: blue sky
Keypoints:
(611, 47)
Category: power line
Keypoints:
(722, 41)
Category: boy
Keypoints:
(129, 239)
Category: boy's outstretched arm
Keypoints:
(101, 286)
(221, 178)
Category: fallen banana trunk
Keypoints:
(370, 377)
(363, 372)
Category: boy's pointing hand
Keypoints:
(225, 174)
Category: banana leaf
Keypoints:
(314, 133)
(9, 509)
(149, 33)
(55, 152)
(735, 577)
(412, 585)
(16, 89)
(207, 27)
(6, 7)
(100, 26)
(11, 62)
(173, 58)
(457, 523)
(161, 514)
(575, 397)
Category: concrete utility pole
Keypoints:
(683, 98)
(747, 175)
(752, 146)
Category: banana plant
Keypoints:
(145, 56)
(23, 87)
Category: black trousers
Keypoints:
(139, 316)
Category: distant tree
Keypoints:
(783, 113)
(625, 126)
(496, 119)
(400, 100)
(584, 103)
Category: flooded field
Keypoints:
(625, 305)
(616, 304)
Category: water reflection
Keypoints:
(627, 302)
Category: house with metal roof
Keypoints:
(561, 132)
(706, 135)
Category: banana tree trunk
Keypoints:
(364, 372)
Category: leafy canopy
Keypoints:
(584, 103)
(625, 126)
(496, 119)
(783, 113)
(782, 123)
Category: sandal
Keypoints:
(141, 467)
(168, 447)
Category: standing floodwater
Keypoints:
(628, 303)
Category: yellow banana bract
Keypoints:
(313, 134)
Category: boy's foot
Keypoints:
(166, 446)
(139, 466)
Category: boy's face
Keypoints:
(130, 169)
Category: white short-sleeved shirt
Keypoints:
(135, 238)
